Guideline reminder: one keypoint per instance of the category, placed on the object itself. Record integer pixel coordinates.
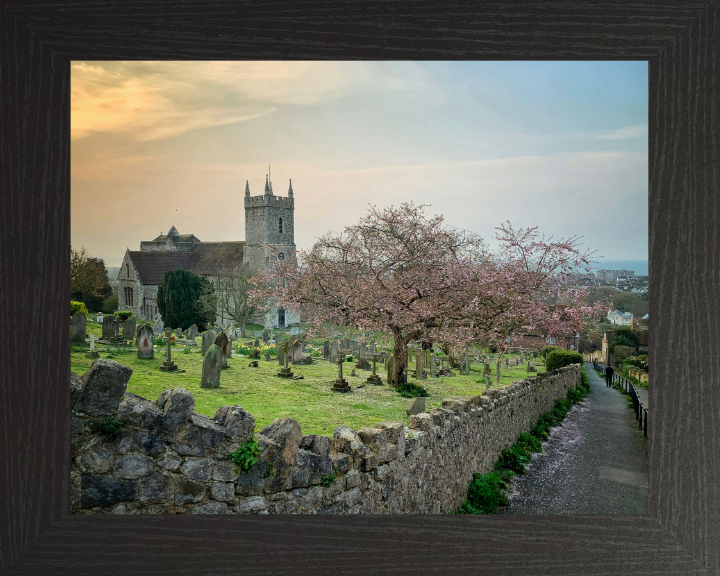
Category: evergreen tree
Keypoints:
(177, 299)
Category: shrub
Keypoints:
(559, 358)
(110, 304)
(77, 307)
(123, 315)
(410, 390)
(328, 480)
(486, 494)
(110, 428)
(245, 457)
(545, 351)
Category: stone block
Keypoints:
(238, 424)
(210, 508)
(225, 471)
(186, 490)
(196, 469)
(201, 431)
(139, 411)
(133, 466)
(123, 445)
(347, 441)
(169, 461)
(103, 386)
(251, 483)
(104, 491)
(97, 456)
(285, 436)
(340, 463)
(376, 440)
(317, 444)
(222, 491)
(150, 444)
(422, 421)
(253, 504)
(177, 406)
(154, 489)
(305, 469)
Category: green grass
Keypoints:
(266, 396)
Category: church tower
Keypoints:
(269, 220)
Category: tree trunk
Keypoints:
(497, 371)
(243, 333)
(400, 360)
(451, 359)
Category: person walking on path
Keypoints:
(608, 376)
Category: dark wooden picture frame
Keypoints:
(681, 42)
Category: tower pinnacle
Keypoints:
(247, 188)
(290, 190)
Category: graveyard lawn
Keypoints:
(310, 401)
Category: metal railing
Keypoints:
(641, 413)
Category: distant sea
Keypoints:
(640, 267)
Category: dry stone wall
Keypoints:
(168, 459)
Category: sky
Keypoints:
(558, 145)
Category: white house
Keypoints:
(620, 318)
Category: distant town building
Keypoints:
(620, 318)
(614, 275)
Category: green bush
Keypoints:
(410, 390)
(486, 494)
(545, 351)
(110, 304)
(77, 307)
(123, 315)
(559, 358)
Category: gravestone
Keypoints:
(416, 406)
(419, 364)
(222, 341)
(128, 329)
(294, 331)
(192, 332)
(185, 333)
(326, 349)
(340, 384)
(92, 353)
(374, 378)
(334, 351)
(178, 332)
(168, 364)
(433, 370)
(297, 352)
(159, 326)
(79, 324)
(212, 366)
(267, 356)
(280, 347)
(208, 339)
(256, 344)
(108, 329)
(389, 365)
(266, 336)
(363, 364)
(100, 318)
(145, 342)
(285, 371)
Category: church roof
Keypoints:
(180, 237)
(205, 258)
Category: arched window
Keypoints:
(130, 291)
(281, 256)
(280, 227)
(127, 268)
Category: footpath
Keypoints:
(596, 462)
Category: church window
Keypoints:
(127, 268)
(280, 226)
(281, 256)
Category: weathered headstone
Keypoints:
(297, 352)
(108, 330)
(100, 317)
(280, 347)
(326, 349)
(256, 344)
(92, 353)
(266, 336)
(433, 369)
(178, 332)
(212, 366)
(267, 356)
(192, 332)
(208, 339)
(416, 406)
(128, 329)
(79, 324)
(222, 341)
(159, 326)
(334, 351)
(145, 342)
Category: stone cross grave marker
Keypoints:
(285, 371)
(92, 353)
(212, 367)
(374, 378)
(341, 384)
(145, 342)
(79, 325)
(168, 364)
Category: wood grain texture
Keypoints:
(681, 42)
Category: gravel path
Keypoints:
(596, 462)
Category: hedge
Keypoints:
(559, 358)
(77, 307)
(123, 315)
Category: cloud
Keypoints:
(636, 131)
(152, 100)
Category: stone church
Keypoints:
(269, 221)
